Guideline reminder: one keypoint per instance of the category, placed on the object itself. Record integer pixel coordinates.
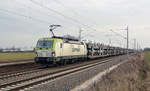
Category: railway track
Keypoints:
(35, 70)
(46, 76)
(19, 73)
(25, 83)
(17, 68)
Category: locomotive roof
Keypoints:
(66, 38)
(62, 38)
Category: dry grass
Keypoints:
(7, 57)
(127, 77)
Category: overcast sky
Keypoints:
(23, 22)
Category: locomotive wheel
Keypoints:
(63, 62)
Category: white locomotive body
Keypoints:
(55, 50)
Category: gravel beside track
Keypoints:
(52, 86)
(28, 72)
(10, 78)
(72, 80)
(15, 63)
(12, 69)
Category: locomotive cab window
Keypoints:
(45, 44)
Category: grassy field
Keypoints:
(148, 56)
(5, 57)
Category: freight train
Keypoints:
(60, 50)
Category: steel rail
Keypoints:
(36, 70)
(21, 84)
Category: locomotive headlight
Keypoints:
(53, 54)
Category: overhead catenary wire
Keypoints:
(118, 34)
(71, 10)
(45, 14)
(61, 14)
(29, 17)
(74, 12)
(59, 2)
(31, 8)
(25, 16)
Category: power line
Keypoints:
(118, 34)
(72, 10)
(47, 14)
(61, 14)
(37, 10)
(25, 16)
(42, 12)
(68, 8)
(22, 15)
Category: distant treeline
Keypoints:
(146, 49)
(17, 51)
(13, 50)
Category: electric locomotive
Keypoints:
(59, 50)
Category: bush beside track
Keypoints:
(130, 76)
(8, 57)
